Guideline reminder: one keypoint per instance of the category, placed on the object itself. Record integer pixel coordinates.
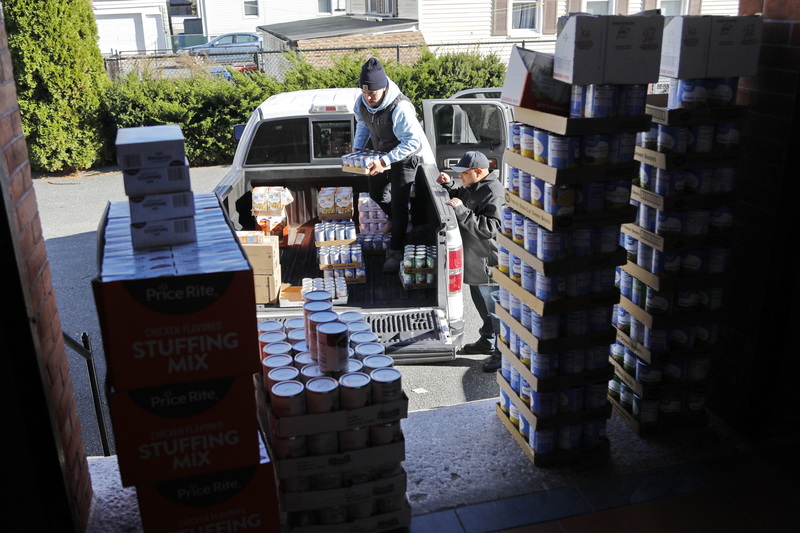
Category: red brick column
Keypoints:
(45, 472)
(757, 373)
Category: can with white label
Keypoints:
(288, 398)
(332, 345)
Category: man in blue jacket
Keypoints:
(477, 204)
(387, 118)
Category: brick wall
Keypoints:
(45, 471)
(757, 374)
(403, 55)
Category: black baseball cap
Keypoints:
(471, 160)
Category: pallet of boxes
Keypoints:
(175, 303)
(571, 157)
(331, 407)
(678, 250)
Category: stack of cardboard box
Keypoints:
(679, 247)
(181, 351)
(263, 252)
(559, 248)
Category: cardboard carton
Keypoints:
(633, 48)
(261, 250)
(156, 180)
(734, 46)
(155, 233)
(150, 146)
(529, 83)
(684, 50)
(185, 429)
(268, 287)
(580, 49)
(162, 206)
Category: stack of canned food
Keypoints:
(338, 230)
(374, 241)
(347, 254)
(676, 264)
(342, 367)
(419, 265)
(336, 286)
(361, 158)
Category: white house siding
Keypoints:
(130, 26)
(720, 7)
(226, 16)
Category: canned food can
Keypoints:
(695, 402)
(614, 387)
(559, 199)
(524, 426)
(357, 326)
(544, 365)
(526, 140)
(669, 223)
(332, 345)
(290, 447)
(594, 150)
(617, 194)
(626, 397)
(699, 180)
(674, 371)
(270, 337)
(276, 361)
(681, 338)
(599, 319)
(562, 151)
(568, 437)
(698, 369)
(334, 514)
(718, 260)
(322, 395)
(727, 135)
(311, 371)
(326, 443)
(649, 138)
(550, 245)
(594, 395)
(658, 302)
(590, 197)
(632, 100)
(607, 239)
(577, 101)
(723, 179)
(541, 146)
(355, 390)
(545, 327)
(544, 404)
(507, 227)
(669, 407)
(313, 321)
(720, 220)
(623, 320)
(281, 373)
(386, 433)
(288, 398)
(647, 177)
(670, 182)
(666, 264)
(513, 179)
(375, 361)
(366, 349)
(621, 148)
(593, 432)
(644, 255)
(601, 101)
(269, 326)
(514, 136)
(700, 138)
(543, 440)
(645, 411)
(571, 362)
(549, 288)
(694, 262)
(581, 242)
(302, 359)
(518, 231)
(656, 340)
(525, 180)
(354, 439)
(687, 94)
(672, 139)
(386, 385)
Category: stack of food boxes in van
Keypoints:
(572, 169)
(180, 352)
(371, 222)
(339, 251)
(679, 248)
(332, 404)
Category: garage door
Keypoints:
(120, 33)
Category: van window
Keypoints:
(480, 124)
(332, 138)
(279, 142)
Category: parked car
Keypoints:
(233, 45)
(491, 93)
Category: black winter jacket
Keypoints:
(479, 220)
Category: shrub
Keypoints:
(60, 79)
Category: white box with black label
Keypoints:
(150, 146)
(161, 206)
(157, 180)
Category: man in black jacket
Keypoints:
(477, 204)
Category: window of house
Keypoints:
(380, 7)
(598, 7)
(324, 6)
(671, 8)
(251, 7)
(524, 15)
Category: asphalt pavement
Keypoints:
(70, 209)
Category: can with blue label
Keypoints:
(568, 437)
(646, 217)
(698, 180)
(513, 136)
(515, 310)
(624, 281)
(524, 427)
(631, 248)
(691, 93)
(600, 318)
(601, 101)
(695, 402)
(541, 146)
(514, 379)
(629, 361)
(647, 177)
(649, 138)
(581, 242)
(550, 245)
(656, 340)
(647, 373)
(544, 404)
(658, 302)
(528, 280)
(722, 91)
(518, 228)
(723, 179)
(502, 299)
(698, 369)
(577, 101)
(559, 199)
(562, 151)
(503, 264)
(666, 264)
(711, 298)
(607, 239)
(570, 400)
(720, 220)
(718, 260)
(645, 411)
(597, 357)
(549, 288)
(638, 292)
(621, 148)
(618, 194)
(700, 139)
(505, 368)
(577, 323)
(515, 270)
(544, 365)
(590, 197)
(644, 256)
(695, 222)
(623, 321)
(578, 284)
(669, 407)
(694, 262)
(626, 397)
(525, 351)
(571, 362)
(531, 236)
(526, 140)
(632, 100)
(670, 182)
(637, 330)
(504, 401)
(513, 414)
(593, 432)
(602, 280)
(687, 300)
(542, 440)
(681, 338)
(672, 139)
(594, 395)
(507, 224)
(525, 186)
(727, 135)
(513, 179)
(594, 150)
(545, 327)
(669, 223)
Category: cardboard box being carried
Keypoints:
(529, 83)
(184, 429)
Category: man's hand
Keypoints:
(455, 202)
(444, 177)
(376, 168)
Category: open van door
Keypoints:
(455, 126)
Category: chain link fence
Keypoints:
(276, 63)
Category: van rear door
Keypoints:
(455, 126)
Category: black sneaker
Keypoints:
(478, 347)
(492, 364)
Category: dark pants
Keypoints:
(485, 298)
(391, 190)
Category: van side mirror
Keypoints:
(238, 130)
